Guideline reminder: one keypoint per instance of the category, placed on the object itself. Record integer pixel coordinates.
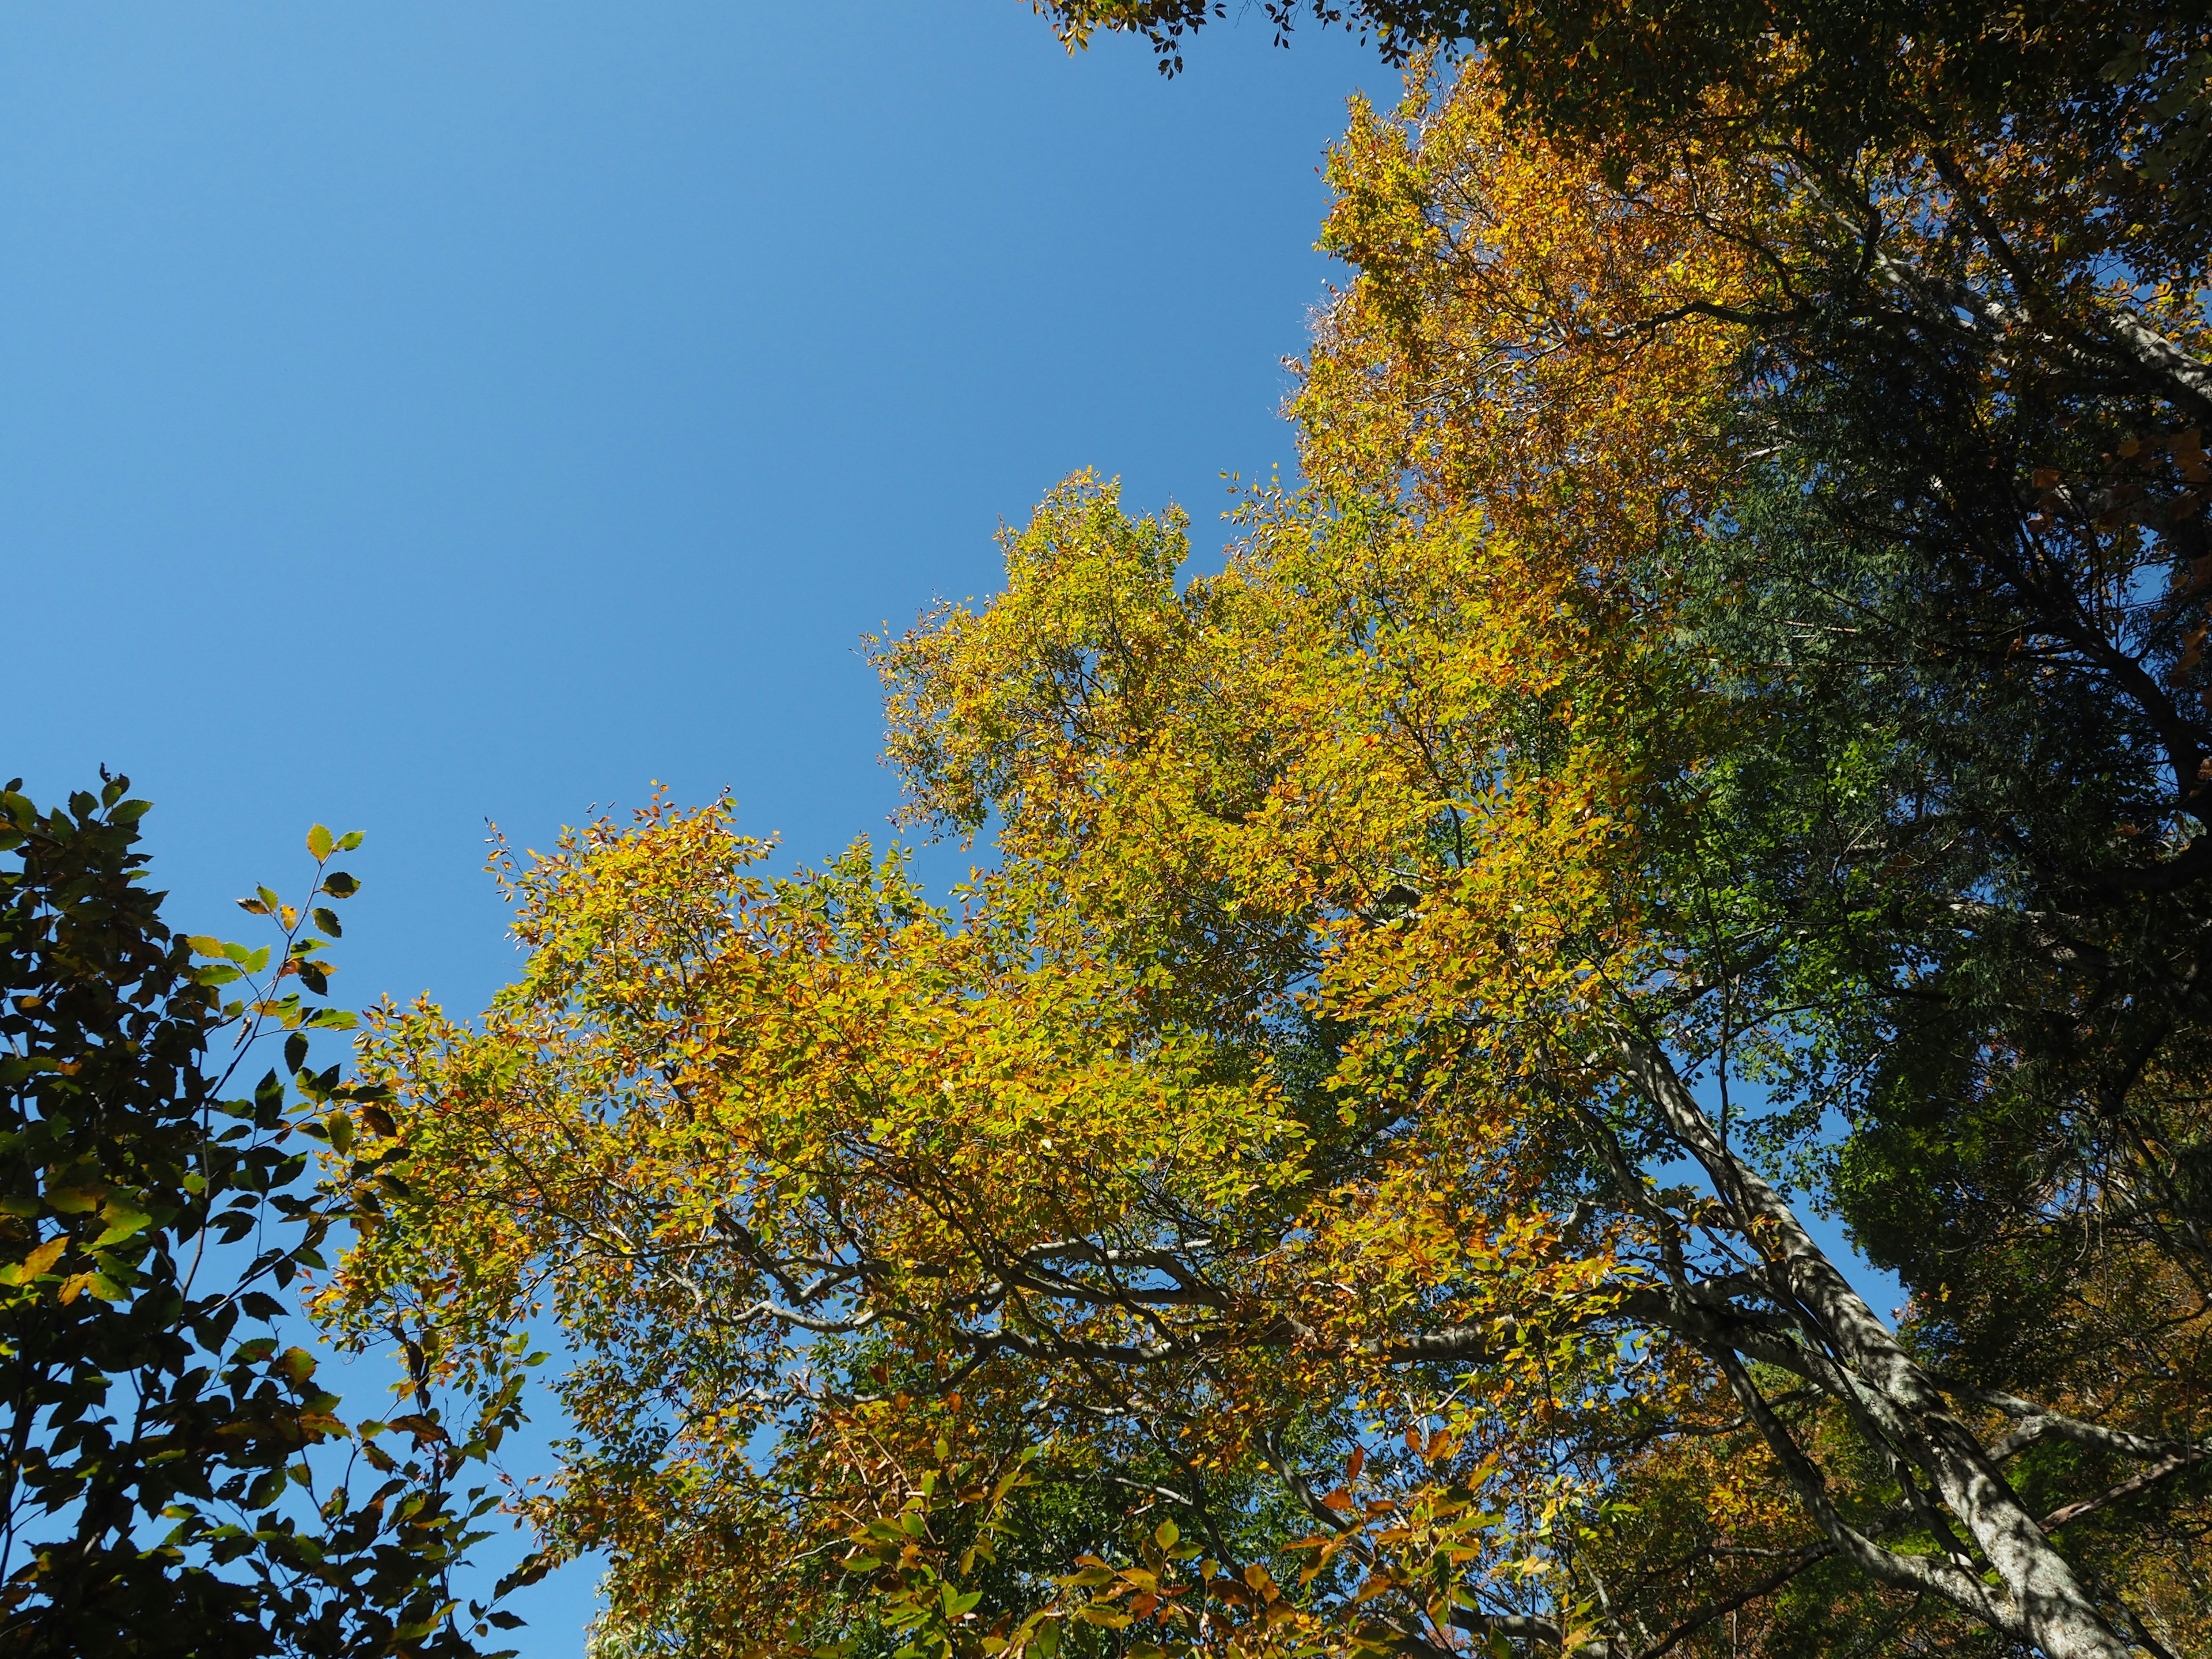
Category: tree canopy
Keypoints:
(1719, 726)
(177, 1482)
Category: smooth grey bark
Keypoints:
(1874, 1378)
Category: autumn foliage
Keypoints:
(1718, 726)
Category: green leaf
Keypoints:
(327, 919)
(339, 885)
(123, 1221)
(320, 842)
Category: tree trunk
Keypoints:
(2048, 1602)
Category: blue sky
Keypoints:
(410, 414)
(415, 415)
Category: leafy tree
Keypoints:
(160, 1494)
(1946, 548)
(1721, 723)
(2128, 79)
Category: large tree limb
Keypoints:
(1925, 1575)
(2039, 1422)
(2053, 1607)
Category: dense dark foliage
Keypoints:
(166, 1486)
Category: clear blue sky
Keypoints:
(411, 415)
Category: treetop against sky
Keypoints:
(1711, 735)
